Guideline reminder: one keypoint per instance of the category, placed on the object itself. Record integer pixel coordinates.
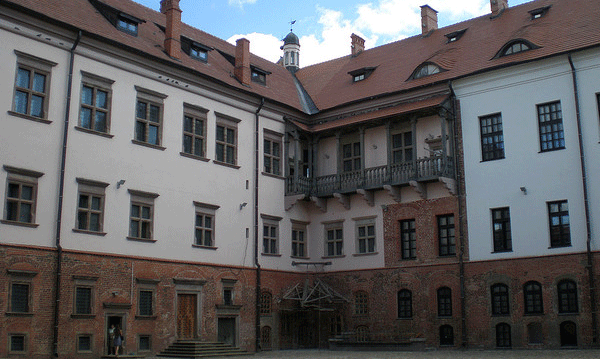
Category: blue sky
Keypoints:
(323, 26)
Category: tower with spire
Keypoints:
(291, 51)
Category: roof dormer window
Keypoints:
(125, 24)
(198, 53)
(426, 69)
(455, 36)
(539, 12)
(361, 74)
(122, 21)
(514, 47)
(194, 49)
(259, 76)
(359, 77)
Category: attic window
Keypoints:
(259, 76)
(361, 74)
(426, 69)
(122, 21)
(514, 47)
(539, 12)
(194, 49)
(198, 53)
(127, 25)
(455, 36)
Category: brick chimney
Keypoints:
(498, 6)
(173, 30)
(358, 45)
(242, 61)
(429, 20)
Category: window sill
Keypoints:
(20, 224)
(141, 239)
(339, 256)
(492, 160)
(365, 254)
(194, 157)
(271, 254)
(19, 314)
(532, 314)
(296, 257)
(101, 234)
(93, 132)
(504, 251)
(226, 164)
(83, 316)
(404, 318)
(146, 144)
(228, 306)
(407, 259)
(272, 175)
(145, 317)
(557, 247)
(29, 117)
(500, 315)
(568, 314)
(447, 256)
(552, 150)
(204, 247)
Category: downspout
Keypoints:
(461, 219)
(61, 190)
(256, 164)
(590, 259)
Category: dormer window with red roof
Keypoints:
(455, 36)
(361, 74)
(259, 76)
(194, 49)
(539, 12)
(514, 47)
(122, 21)
(426, 69)
(127, 25)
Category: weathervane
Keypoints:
(292, 25)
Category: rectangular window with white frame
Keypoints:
(204, 227)
(299, 249)
(270, 234)
(149, 118)
(32, 87)
(365, 235)
(194, 131)
(141, 215)
(96, 98)
(272, 153)
(90, 206)
(226, 140)
(334, 239)
(21, 196)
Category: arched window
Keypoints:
(567, 297)
(444, 299)
(362, 333)
(503, 339)
(404, 304)
(426, 69)
(446, 335)
(361, 303)
(514, 47)
(265, 303)
(532, 297)
(500, 299)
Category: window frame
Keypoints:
(90, 188)
(426, 69)
(91, 344)
(33, 64)
(139, 342)
(563, 237)
(228, 292)
(403, 148)
(204, 210)
(266, 303)
(354, 160)
(444, 302)
(195, 114)
(408, 238)
(270, 237)
(269, 157)
(89, 283)
(20, 277)
(132, 23)
(510, 46)
(221, 157)
(533, 301)
(502, 237)
(149, 98)
(361, 303)
(503, 335)
(97, 83)
(549, 115)
(492, 138)
(369, 240)
(25, 343)
(405, 304)
(568, 298)
(21, 177)
(500, 300)
(336, 242)
(142, 199)
(146, 286)
(299, 227)
(447, 249)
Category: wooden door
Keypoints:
(186, 316)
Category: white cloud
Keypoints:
(240, 3)
(266, 46)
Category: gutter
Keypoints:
(590, 259)
(256, 163)
(61, 190)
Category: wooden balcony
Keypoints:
(374, 178)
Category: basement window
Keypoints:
(539, 12)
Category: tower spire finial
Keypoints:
(292, 25)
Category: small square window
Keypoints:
(198, 53)
(17, 343)
(144, 343)
(127, 25)
(259, 77)
(84, 343)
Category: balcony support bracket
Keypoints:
(321, 203)
(419, 188)
(344, 199)
(368, 196)
(290, 201)
(450, 184)
(394, 192)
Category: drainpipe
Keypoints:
(61, 190)
(590, 260)
(256, 164)
(461, 220)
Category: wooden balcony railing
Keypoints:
(424, 169)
